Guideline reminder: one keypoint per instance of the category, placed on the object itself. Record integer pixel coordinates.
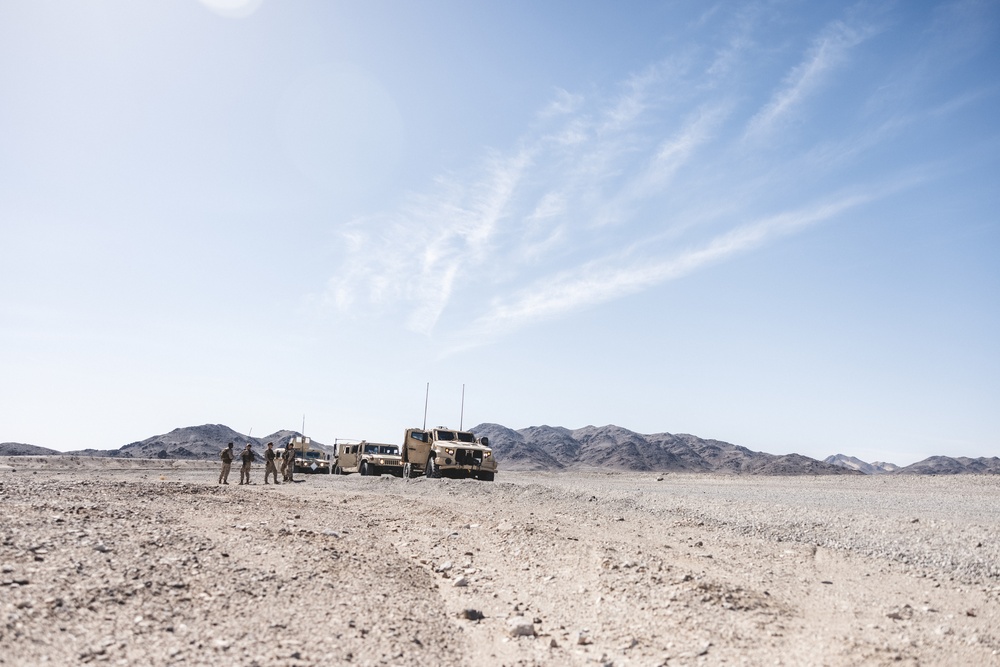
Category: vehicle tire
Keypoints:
(433, 471)
(337, 470)
(486, 476)
(365, 470)
(407, 470)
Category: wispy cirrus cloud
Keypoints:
(609, 278)
(830, 49)
(608, 195)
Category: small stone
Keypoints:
(472, 615)
(461, 582)
(519, 626)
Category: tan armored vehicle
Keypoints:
(444, 452)
(308, 459)
(368, 458)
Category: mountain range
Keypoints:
(556, 448)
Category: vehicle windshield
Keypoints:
(444, 435)
(465, 436)
(388, 450)
(371, 449)
(312, 455)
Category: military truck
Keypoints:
(368, 458)
(308, 459)
(445, 452)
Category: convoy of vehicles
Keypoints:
(435, 452)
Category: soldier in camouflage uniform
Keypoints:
(288, 463)
(247, 456)
(227, 462)
(269, 468)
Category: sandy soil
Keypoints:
(150, 562)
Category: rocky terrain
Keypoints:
(129, 561)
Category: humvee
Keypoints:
(368, 458)
(307, 459)
(445, 452)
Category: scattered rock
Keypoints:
(519, 626)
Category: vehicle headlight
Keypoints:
(449, 450)
(487, 455)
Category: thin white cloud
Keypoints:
(828, 51)
(617, 276)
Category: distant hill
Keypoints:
(945, 465)
(854, 463)
(614, 447)
(21, 449)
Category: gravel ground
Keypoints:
(151, 562)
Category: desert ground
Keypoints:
(133, 562)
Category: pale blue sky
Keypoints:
(770, 223)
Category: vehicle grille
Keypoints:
(468, 457)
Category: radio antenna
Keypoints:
(461, 417)
(427, 396)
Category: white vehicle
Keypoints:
(307, 458)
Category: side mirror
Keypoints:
(485, 441)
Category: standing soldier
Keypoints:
(247, 456)
(288, 463)
(227, 461)
(269, 468)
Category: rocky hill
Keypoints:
(854, 463)
(557, 448)
(945, 465)
(21, 449)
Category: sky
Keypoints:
(771, 223)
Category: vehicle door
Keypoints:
(416, 447)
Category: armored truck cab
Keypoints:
(445, 452)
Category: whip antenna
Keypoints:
(461, 417)
(427, 396)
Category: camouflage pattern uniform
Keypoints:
(247, 456)
(288, 463)
(227, 463)
(269, 468)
